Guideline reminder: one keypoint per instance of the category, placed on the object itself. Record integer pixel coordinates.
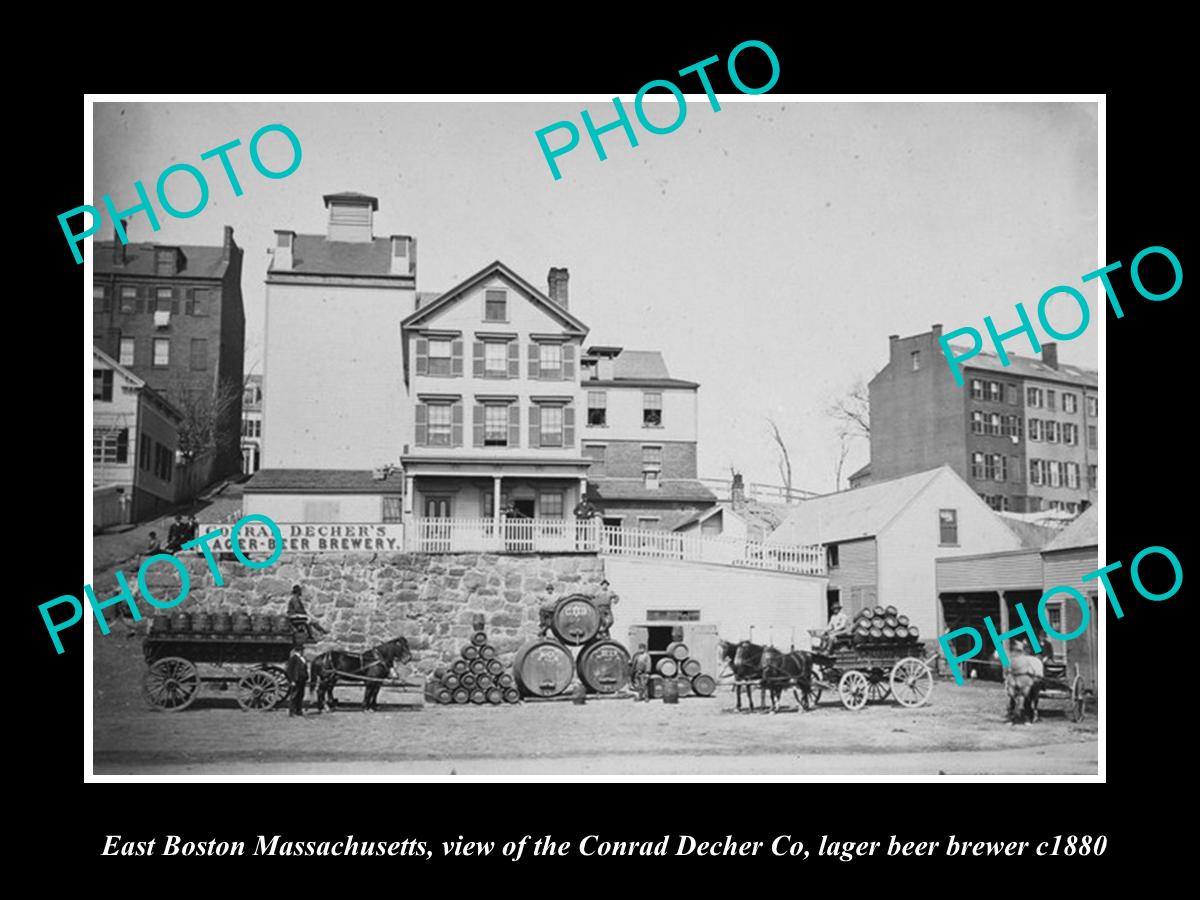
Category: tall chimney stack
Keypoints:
(1050, 354)
(557, 281)
(227, 244)
(737, 491)
(119, 248)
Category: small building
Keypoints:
(135, 436)
(738, 518)
(252, 425)
(882, 540)
(1065, 560)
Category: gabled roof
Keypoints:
(138, 383)
(1083, 532)
(750, 512)
(640, 364)
(856, 513)
(197, 262)
(431, 309)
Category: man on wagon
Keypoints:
(838, 629)
(298, 616)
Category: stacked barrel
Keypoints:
(883, 625)
(477, 677)
(220, 623)
(546, 667)
(680, 675)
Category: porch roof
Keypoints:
(491, 467)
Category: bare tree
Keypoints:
(843, 452)
(204, 414)
(853, 411)
(785, 460)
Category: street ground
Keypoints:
(961, 731)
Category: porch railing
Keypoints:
(590, 536)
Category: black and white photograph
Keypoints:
(537, 439)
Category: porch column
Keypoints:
(1003, 611)
(497, 536)
(408, 495)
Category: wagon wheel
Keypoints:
(853, 689)
(877, 686)
(281, 679)
(810, 695)
(171, 684)
(912, 682)
(1078, 699)
(258, 689)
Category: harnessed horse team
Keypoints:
(772, 671)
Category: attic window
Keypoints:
(495, 306)
(164, 262)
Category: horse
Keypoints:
(1023, 682)
(371, 665)
(744, 660)
(792, 669)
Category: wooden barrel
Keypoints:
(902, 632)
(283, 625)
(512, 695)
(878, 622)
(439, 673)
(913, 633)
(889, 632)
(677, 650)
(667, 667)
(470, 652)
(181, 622)
(202, 622)
(478, 666)
(478, 697)
(864, 613)
(670, 690)
(876, 632)
(543, 668)
(864, 626)
(891, 621)
(262, 623)
(222, 623)
(604, 667)
(241, 623)
(495, 696)
(479, 638)
(444, 696)
(460, 666)
(879, 611)
(891, 611)
(160, 624)
(576, 620)
(704, 685)
(495, 667)
(690, 667)
(462, 695)
(452, 681)
(487, 651)
(683, 686)
(505, 680)
(468, 680)
(903, 620)
(484, 682)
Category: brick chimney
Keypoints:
(737, 491)
(557, 281)
(1050, 354)
(227, 244)
(285, 242)
(404, 255)
(119, 248)
(935, 331)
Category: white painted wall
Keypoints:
(291, 507)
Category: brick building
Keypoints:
(1024, 436)
(172, 315)
(252, 425)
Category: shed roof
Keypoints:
(1083, 532)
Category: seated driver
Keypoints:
(838, 630)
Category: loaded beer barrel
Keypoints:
(467, 680)
(683, 686)
(604, 667)
(903, 620)
(891, 621)
(667, 667)
(479, 638)
(222, 622)
(483, 682)
(690, 667)
(543, 668)
(160, 623)
(495, 667)
(670, 690)
(451, 681)
(478, 666)
(241, 623)
(460, 667)
(462, 695)
(704, 686)
(487, 651)
(478, 697)
(511, 695)
(504, 679)
(913, 633)
(902, 632)
(444, 696)
(263, 623)
(889, 632)
(495, 696)
(576, 620)
(470, 652)
(181, 622)
(281, 624)
(677, 650)
(202, 622)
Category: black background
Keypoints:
(1148, 403)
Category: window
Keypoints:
(648, 521)
(110, 445)
(1092, 436)
(165, 298)
(439, 357)
(1012, 426)
(651, 410)
(652, 457)
(164, 262)
(1053, 473)
(1072, 474)
(995, 467)
(1070, 434)
(126, 353)
(597, 408)
(1013, 394)
(102, 384)
(1035, 471)
(977, 465)
(1035, 429)
(128, 299)
(551, 434)
(993, 424)
(198, 306)
(199, 354)
(551, 361)
(1070, 403)
(976, 389)
(1093, 407)
(391, 510)
(916, 360)
(439, 419)
(1051, 431)
(651, 479)
(977, 422)
(144, 452)
(495, 356)
(997, 502)
(597, 454)
(495, 306)
(162, 351)
(1033, 397)
(1092, 476)
(550, 505)
(1050, 400)
(162, 462)
(102, 302)
(948, 523)
(495, 426)
(831, 556)
(995, 392)
(99, 292)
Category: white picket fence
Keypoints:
(590, 536)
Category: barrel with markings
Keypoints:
(604, 667)
(704, 685)
(576, 620)
(690, 667)
(677, 650)
(667, 667)
(543, 668)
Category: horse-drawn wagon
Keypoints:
(1057, 685)
(246, 653)
(870, 673)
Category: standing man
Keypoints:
(176, 535)
(546, 611)
(298, 616)
(297, 673)
(640, 668)
(605, 601)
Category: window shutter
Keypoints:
(190, 307)
(477, 350)
(568, 359)
(535, 361)
(422, 356)
(568, 426)
(514, 359)
(535, 427)
(477, 425)
(514, 425)
(456, 358)
(422, 437)
(456, 425)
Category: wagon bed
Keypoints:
(872, 672)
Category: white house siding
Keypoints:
(777, 605)
(333, 386)
(624, 418)
(324, 508)
(467, 495)
(856, 575)
(909, 545)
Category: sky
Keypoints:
(768, 249)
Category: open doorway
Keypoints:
(833, 597)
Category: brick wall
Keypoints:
(623, 459)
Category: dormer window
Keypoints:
(165, 261)
(495, 306)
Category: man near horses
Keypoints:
(640, 667)
(605, 601)
(298, 616)
(297, 673)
